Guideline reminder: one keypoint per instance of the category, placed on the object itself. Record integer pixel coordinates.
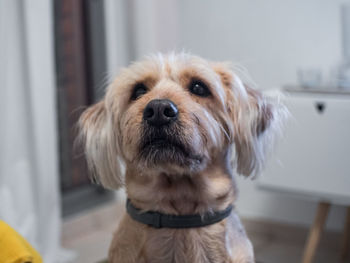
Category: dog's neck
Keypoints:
(210, 190)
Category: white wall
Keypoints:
(271, 38)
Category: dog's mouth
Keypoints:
(165, 146)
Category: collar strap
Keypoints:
(159, 220)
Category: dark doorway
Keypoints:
(81, 68)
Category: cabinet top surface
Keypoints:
(324, 90)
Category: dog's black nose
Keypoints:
(160, 112)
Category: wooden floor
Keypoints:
(89, 236)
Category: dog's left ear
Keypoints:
(254, 121)
(98, 136)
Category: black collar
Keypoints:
(159, 220)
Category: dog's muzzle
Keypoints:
(161, 139)
(162, 135)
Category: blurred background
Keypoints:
(56, 58)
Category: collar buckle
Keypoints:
(157, 220)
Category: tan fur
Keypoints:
(226, 133)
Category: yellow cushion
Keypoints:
(14, 248)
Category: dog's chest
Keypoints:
(205, 245)
(191, 195)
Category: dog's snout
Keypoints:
(160, 112)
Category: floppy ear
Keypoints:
(99, 139)
(255, 121)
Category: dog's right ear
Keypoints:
(99, 139)
(255, 121)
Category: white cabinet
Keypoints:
(313, 157)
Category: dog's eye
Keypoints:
(139, 90)
(199, 88)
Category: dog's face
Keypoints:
(175, 114)
(169, 114)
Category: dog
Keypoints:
(175, 130)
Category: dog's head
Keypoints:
(177, 114)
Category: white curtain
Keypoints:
(29, 187)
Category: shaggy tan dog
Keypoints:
(183, 128)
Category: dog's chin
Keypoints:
(169, 154)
